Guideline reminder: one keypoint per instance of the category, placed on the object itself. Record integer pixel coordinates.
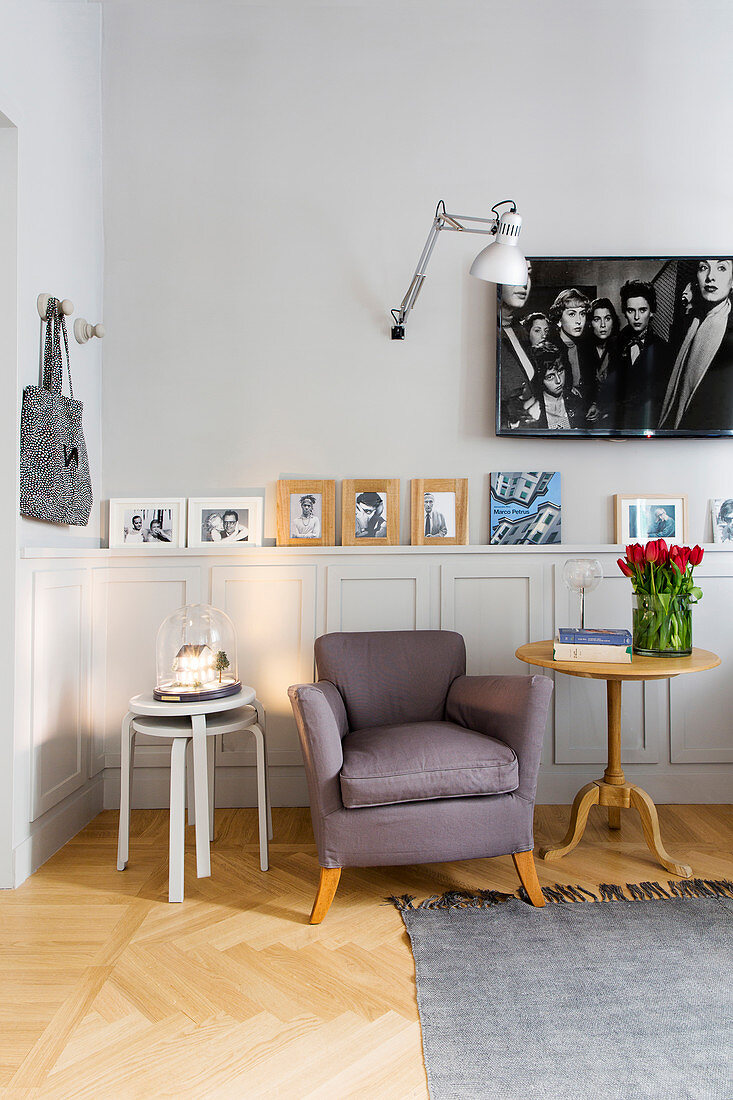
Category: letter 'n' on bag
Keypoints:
(54, 469)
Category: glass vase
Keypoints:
(662, 626)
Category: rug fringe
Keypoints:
(567, 894)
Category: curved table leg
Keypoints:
(586, 797)
(127, 762)
(650, 824)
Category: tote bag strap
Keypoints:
(52, 359)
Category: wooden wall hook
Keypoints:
(83, 331)
(66, 306)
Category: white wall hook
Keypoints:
(84, 331)
(66, 306)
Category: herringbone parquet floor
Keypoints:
(107, 991)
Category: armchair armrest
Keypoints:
(513, 709)
(321, 719)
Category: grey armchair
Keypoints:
(408, 760)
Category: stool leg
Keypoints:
(127, 758)
(176, 843)
(211, 765)
(189, 784)
(261, 719)
(262, 796)
(201, 795)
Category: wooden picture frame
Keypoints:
(453, 514)
(358, 519)
(293, 513)
(637, 518)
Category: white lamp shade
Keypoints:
(501, 261)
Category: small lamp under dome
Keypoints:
(196, 655)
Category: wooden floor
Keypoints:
(106, 990)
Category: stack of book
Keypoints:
(608, 646)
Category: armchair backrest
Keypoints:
(390, 677)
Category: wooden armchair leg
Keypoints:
(524, 863)
(327, 885)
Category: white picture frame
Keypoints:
(209, 522)
(638, 518)
(721, 514)
(151, 525)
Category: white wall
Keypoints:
(50, 241)
(50, 91)
(271, 172)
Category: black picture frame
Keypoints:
(664, 380)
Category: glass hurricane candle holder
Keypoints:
(196, 655)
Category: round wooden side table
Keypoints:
(613, 790)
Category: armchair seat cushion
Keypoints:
(423, 760)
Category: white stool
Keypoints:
(193, 723)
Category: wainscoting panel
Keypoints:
(497, 606)
(273, 608)
(128, 607)
(389, 595)
(60, 686)
(581, 735)
(701, 705)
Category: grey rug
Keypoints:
(606, 999)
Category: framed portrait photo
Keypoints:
(225, 521)
(640, 519)
(439, 514)
(151, 524)
(617, 347)
(722, 515)
(306, 513)
(370, 512)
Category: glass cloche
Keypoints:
(196, 655)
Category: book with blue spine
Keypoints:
(594, 637)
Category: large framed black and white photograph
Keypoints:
(617, 347)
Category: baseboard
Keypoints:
(234, 787)
(706, 783)
(56, 828)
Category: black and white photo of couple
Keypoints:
(617, 346)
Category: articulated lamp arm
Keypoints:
(505, 227)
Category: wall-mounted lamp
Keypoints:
(500, 262)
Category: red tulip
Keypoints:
(663, 551)
(624, 568)
(635, 553)
(651, 552)
(676, 561)
(696, 555)
(684, 553)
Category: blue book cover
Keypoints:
(594, 637)
(524, 508)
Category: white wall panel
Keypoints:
(60, 686)
(580, 704)
(701, 706)
(389, 595)
(129, 604)
(274, 612)
(497, 606)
